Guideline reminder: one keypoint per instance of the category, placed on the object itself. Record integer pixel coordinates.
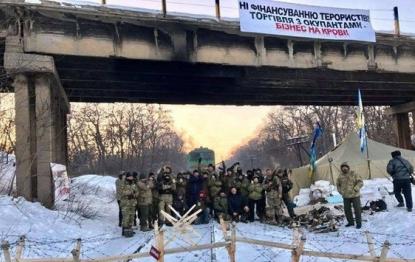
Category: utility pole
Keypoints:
(297, 143)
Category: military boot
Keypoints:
(128, 232)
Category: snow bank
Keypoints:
(90, 196)
(102, 186)
(374, 189)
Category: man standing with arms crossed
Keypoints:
(349, 184)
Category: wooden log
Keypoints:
(232, 257)
(384, 252)
(371, 243)
(76, 252)
(5, 246)
(175, 212)
(295, 242)
(196, 248)
(265, 243)
(160, 245)
(190, 210)
(352, 256)
(20, 247)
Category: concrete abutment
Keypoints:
(41, 113)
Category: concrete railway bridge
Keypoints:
(55, 54)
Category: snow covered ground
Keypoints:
(54, 233)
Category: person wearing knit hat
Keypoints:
(349, 184)
(220, 206)
(255, 196)
(128, 203)
(145, 200)
(401, 171)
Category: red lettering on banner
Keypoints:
(314, 30)
(289, 27)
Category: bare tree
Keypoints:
(271, 148)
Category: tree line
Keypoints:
(105, 139)
(274, 144)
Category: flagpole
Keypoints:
(331, 169)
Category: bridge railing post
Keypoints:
(217, 9)
(164, 7)
(396, 19)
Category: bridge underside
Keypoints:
(88, 79)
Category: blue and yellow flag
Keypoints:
(360, 122)
(313, 151)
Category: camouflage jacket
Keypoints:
(129, 194)
(215, 185)
(349, 184)
(255, 191)
(145, 196)
(273, 187)
(221, 204)
(118, 188)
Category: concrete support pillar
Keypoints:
(41, 108)
(48, 138)
(25, 137)
(45, 147)
(402, 130)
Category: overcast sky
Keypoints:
(223, 128)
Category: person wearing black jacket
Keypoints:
(179, 204)
(238, 206)
(287, 185)
(401, 171)
(194, 187)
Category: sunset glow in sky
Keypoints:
(221, 128)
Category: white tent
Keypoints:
(328, 166)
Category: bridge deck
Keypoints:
(109, 55)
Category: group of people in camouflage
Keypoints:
(230, 194)
(233, 195)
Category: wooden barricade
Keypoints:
(230, 239)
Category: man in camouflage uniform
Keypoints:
(167, 187)
(145, 201)
(241, 183)
(129, 194)
(221, 206)
(273, 188)
(227, 179)
(349, 184)
(254, 199)
(118, 188)
(287, 185)
(214, 184)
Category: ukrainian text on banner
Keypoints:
(278, 18)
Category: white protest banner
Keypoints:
(279, 18)
(61, 181)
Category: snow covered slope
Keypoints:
(54, 233)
